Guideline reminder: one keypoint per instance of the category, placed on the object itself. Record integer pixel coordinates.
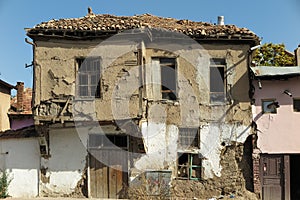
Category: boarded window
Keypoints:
(88, 84)
(189, 166)
(107, 141)
(269, 106)
(296, 105)
(168, 78)
(188, 138)
(217, 80)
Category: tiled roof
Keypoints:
(98, 25)
(26, 132)
(5, 84)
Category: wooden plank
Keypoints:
(92, 176)
(119, 180)
(112, 182)
(287, 179)
(100, 192)
(104, 182)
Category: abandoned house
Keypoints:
(142, 99)
(276, 158)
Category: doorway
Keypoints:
(295, 176)
(108, 164)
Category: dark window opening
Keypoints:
(88, 77)
(217, 80)
(296, 105)
(107, 141)
(168, 78)
(188, 138)
(269, 106)
(189, 166)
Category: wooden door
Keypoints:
(108, 180)
(272, 177)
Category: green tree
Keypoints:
(270, 54)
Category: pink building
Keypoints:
(276, 120)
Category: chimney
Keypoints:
(221, 20)
(20, 95)
(297, 55)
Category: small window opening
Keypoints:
(168, 78)
(188, 138)
(189, 166)
(269, 106)
(107, 141)
(217, 80)
(296, 105)
(88, 84)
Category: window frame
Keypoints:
(271, 100)
(193, 142)
(174, 67)
(97, 73)
(189, 166)
(296, 109)
(218, 63)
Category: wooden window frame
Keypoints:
(90, 74)
(166, 93)
(217, 63)
(189, 166)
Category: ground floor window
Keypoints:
(189, 166)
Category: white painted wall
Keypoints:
(21, 159)
(161, 145)
(66, 164)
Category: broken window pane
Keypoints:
(89, 77)
(168, 78)
(217, 80)
(296, 105)
(189, 166)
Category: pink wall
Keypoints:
(280, 132)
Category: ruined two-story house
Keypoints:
(116, 99)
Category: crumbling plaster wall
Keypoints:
(55, 77)
(65, 166)
(220, 125)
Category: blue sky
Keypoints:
(276, 21)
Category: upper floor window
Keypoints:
(269, 106)
(296, 105)
(217, 81)
(88, 84)
(168, 78)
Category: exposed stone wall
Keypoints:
(232, 182)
